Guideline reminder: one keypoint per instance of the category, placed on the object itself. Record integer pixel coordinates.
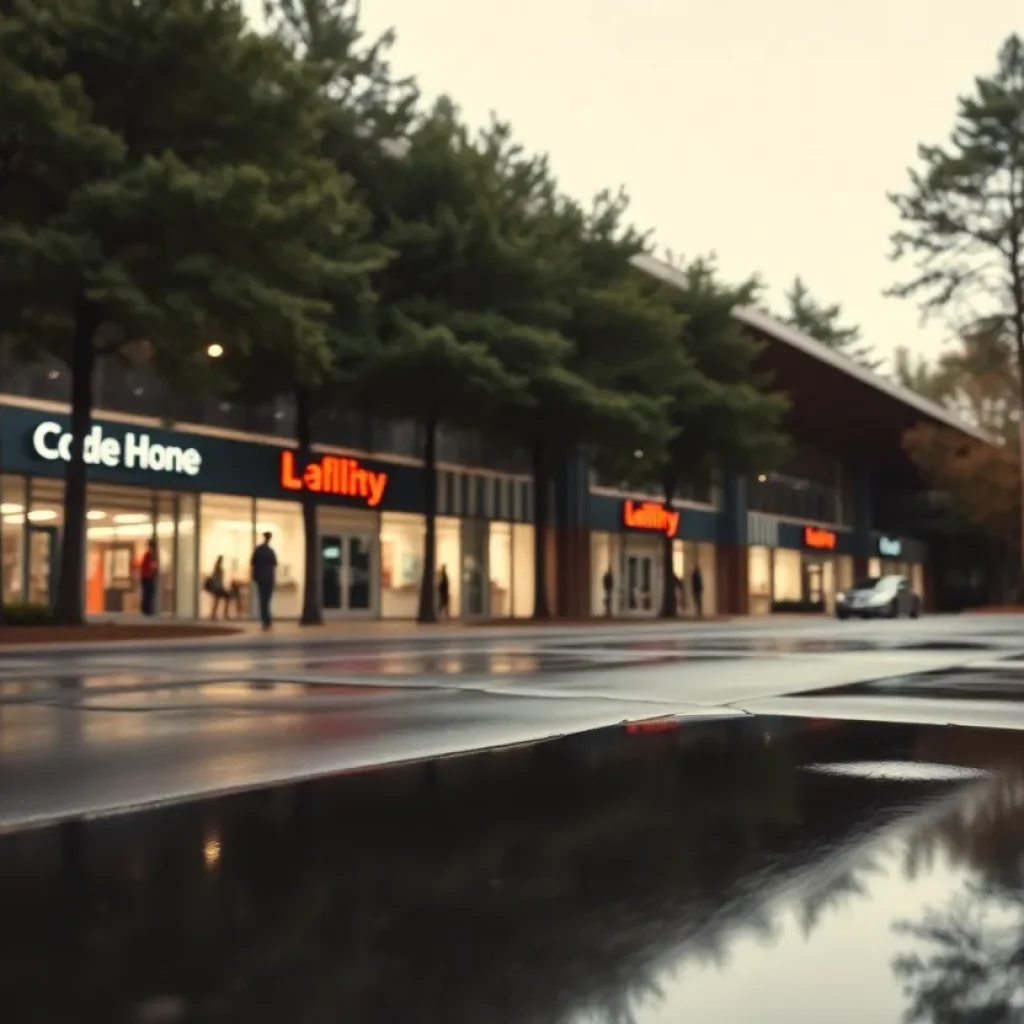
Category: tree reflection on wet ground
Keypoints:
(708, 872)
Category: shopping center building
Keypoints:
(209, 487)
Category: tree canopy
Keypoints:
(171, 177)
(722, 415)
(161, 185)
(962, 215)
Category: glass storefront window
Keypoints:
(227, 531)
(283, 520)
(449, 557)
(43, 528)
(602, 558)
(499, 566)
(165, 547)
(12, 510)
(845, 572)
(759, 580)
(522, 570)
(917, 580)
(788, 583)
(119, 526)
(709, 570)
(474, 588)
(401, 564)
(186, 586)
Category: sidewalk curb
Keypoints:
(323, 636)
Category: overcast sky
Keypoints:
(767, 132)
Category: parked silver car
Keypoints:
(883, 597)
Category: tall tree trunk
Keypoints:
(3, 592)
(1018, 337)
(669, 605)
(428, 585)
(69, 609)
(541, 608)
(312, 610)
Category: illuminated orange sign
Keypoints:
(334, 474)
(649, 515)
(823, 540)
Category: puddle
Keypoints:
(706, 871)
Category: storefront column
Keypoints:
(732, 567)
(572, 538)
(862, 516)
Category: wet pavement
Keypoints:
(722, 871)
(87, 733)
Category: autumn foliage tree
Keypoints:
(982, 480)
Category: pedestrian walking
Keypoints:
(697, 585)
(264, 574)
(444, 594)
(608, 583)
(149, 567)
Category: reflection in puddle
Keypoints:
(693, 874)
(916, 771)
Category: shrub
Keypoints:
(24, 614)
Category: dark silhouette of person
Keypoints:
(264, 573)
(216, 586)
(149, 567)
(444, 593)
(697, 583)
(608, 582)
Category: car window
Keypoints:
(868, 583)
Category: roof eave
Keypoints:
(787, 335)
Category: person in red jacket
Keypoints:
(148, 569)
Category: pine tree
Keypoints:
(363, 111)
(159, 188)
(722, 415)
(963, 212)
(822, 323)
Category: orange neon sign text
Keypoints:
(649, 515)
(824, 540)
(334, 474)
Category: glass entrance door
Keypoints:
(357, 568)
(42, 560)
(639, 580)
(346, 572)
(330, 573)
(814, 581)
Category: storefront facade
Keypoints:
(204, 497)
(796, 567)
(898, 556)
(627, 540)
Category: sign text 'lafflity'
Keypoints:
(649, 515)
(334, 474)
(819, 539)
(134, 450)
